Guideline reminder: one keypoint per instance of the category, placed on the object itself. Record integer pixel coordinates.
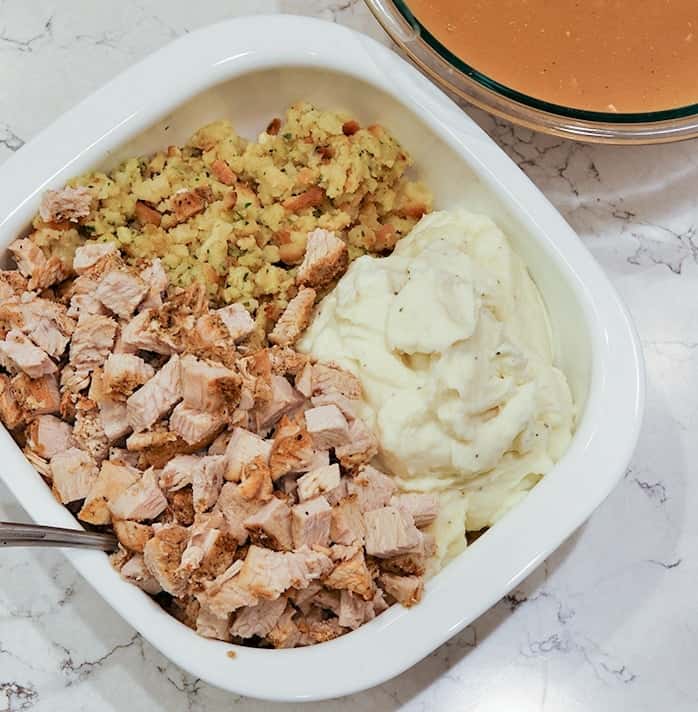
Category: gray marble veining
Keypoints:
(609, 622)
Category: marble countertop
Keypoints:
(608, 623)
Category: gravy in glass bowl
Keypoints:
(624, 56)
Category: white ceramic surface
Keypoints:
(506, 554)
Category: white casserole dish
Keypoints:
(250, 70)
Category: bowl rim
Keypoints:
(464, 80)
(603, 444)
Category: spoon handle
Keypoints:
(12, 534)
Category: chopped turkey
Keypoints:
(206, 386)
(353, 575)
(123, 373)
(113, 480)
(132, 535)
(162, 555)
(423, 507)
(36, 396)
(311, 523)
(92, 341)
(372, 488)
(48, 435)
(156, 397)
(318, 481)
(207, 480)
(326, 258)
(258, 620)
(65, 204)
(142, 501)
(271, 525)
(243, 447)
(196, 427)
(87, 256)
(390, 532)
(295, 318)
(407, 590)
(18, 353)
(73, 473)
(135, 571)
(347, 522)
(327, 427)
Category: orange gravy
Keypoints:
(598, 55)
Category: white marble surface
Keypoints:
(608, 623)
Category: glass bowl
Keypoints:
(457, 77)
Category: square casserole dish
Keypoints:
(250, 70)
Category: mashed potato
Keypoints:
(450, 339)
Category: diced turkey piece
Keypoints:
(36, 396)
(292, 450)
(155, 277)
(218, 446)
(113, 480)
(258, 620)
(372, 488)
(142, 501)
(135, 571)
(178, 472)
(156, 397)
(132, 535)
(44, 321)
(354, 611)
(285, 633)
(271, 525)
(11, 415)
(114, 419)
(207, 480)
(65, 204)
(407, 590)
(353, 575)
(143, 332)
(390, 532)
(236, 509)
(348, 522)
(295, 318)
(28, 255)
(89, 434)
(327, 427)
(361, 448)
(318, 481)
(267, 574)
(87, 256)
(347, 406)
(123, 373)
(18, 353)
(304, 381)
(310, 523)
(12, 284)
(237, 321)
(84, 304)
(121, 292)
(243, 447)
(225, 594)
(162, 555)
(315, 628)
(73, 472)
(196, 426)
(92, 341)
(255, 481)
(326, 258)
(212, 626)
(423, 507)
(328, 600)
(204, 540)
(328, 379)
(205, 385)
(284, 398)
(48, 435)
(121, 456)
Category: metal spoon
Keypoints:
(12, 534)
